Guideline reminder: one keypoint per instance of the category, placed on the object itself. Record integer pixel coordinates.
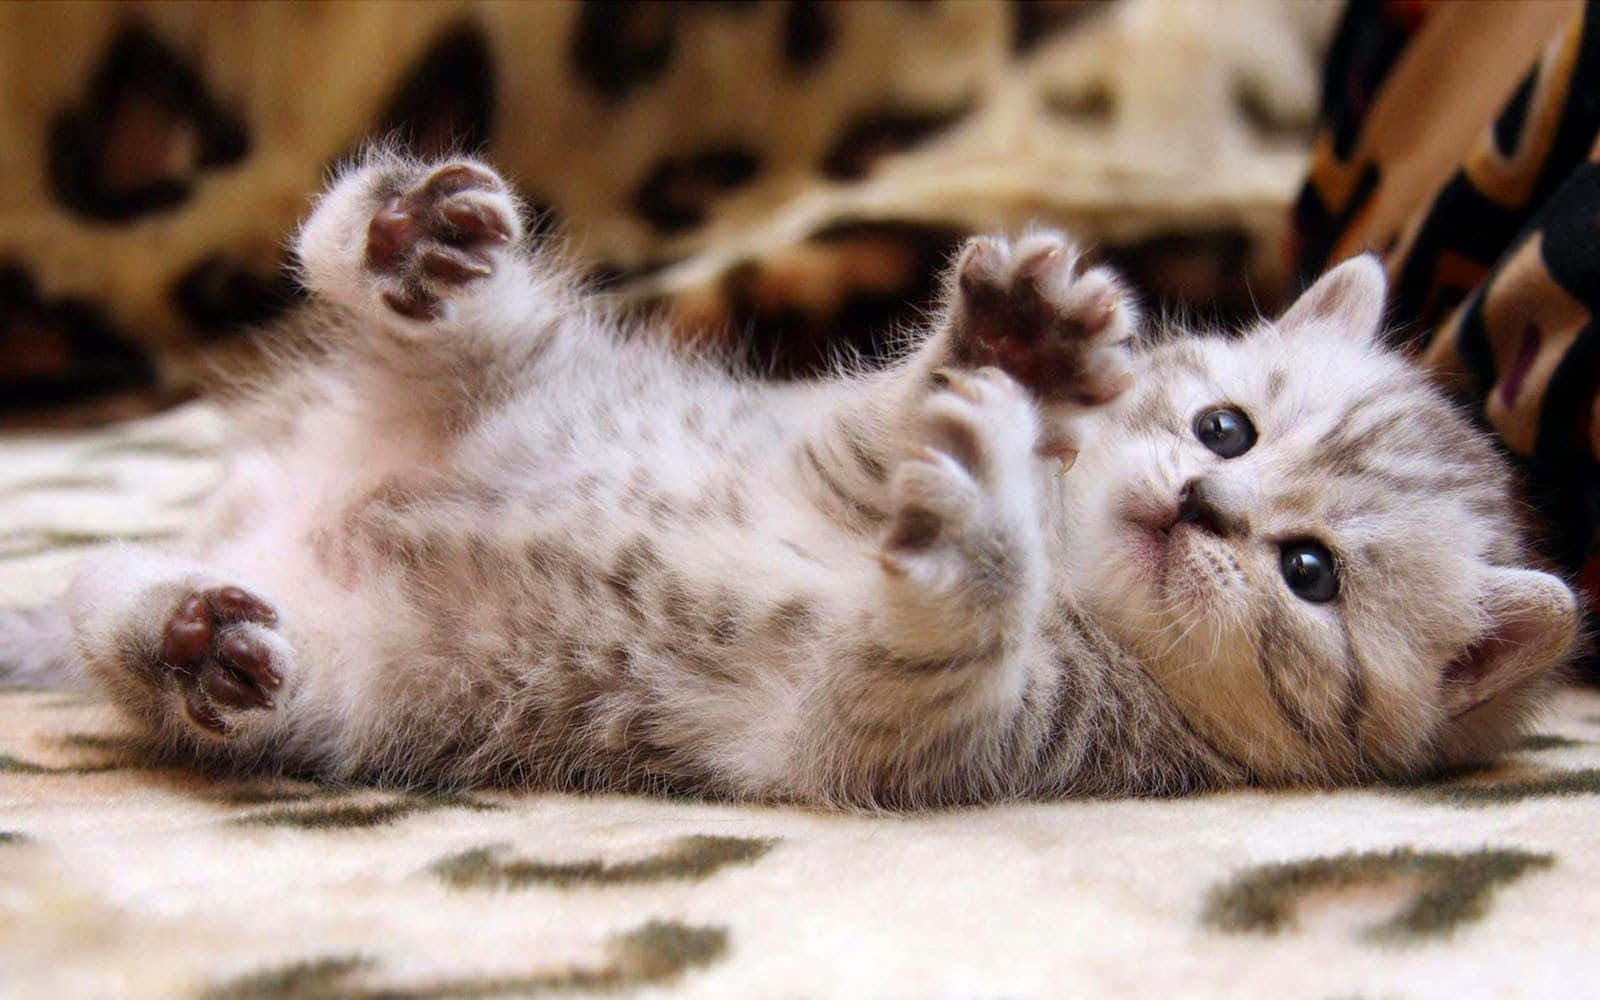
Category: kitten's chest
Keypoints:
(647, 446)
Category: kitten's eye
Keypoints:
(1225, 430)
(1308, 570)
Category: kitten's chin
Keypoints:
(1179, 567)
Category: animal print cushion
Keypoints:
(793, 173)
(1463, 142)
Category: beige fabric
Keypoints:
(801, 201)
(120, 878)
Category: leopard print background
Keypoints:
(793, 174)
(1463, 143)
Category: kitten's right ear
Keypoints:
(1347, 300)
(1533, 619)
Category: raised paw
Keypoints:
(213, 649)
(428, 241)
(962, 501)
(1025, 308)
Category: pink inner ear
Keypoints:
(1500, 659)
(1467, 678)
(1476, 662)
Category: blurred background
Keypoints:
(792, 175)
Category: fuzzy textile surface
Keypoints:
(122, 876)
(788, 176)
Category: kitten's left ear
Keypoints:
(1533, 619)
(1347, 300)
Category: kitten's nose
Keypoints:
(1203, 505)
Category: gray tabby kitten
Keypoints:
(488, 534)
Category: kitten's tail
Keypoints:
(36, 648)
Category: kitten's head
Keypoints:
(1313, 553)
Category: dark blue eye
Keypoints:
(1309, 571)
(1225, 430)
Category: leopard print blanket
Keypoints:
(795, 174)
(122, 877)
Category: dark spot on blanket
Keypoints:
(689, 858)
(331, 817)
(1444, 891)
(358, 815)
(55, 351)
(1035, 20)
(219, 296)
(881, 277)
(652, 954)
(445, 102)
(1547, 741)
(98, 741)
(1205, 272)
(34, 543)
(319, 977)
(141, 136)
(113, 752)
(15, 765)
(807, 34)
(12, 837)
(619, 47)
(661, 950)
(1253, 98)
(677, 193)
(1475, 792)
(870, 137)
(273, 794)
(1089, 103)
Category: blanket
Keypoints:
(793, 176)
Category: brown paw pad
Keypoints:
(438, 236)
(218, 667)
(1027, 310)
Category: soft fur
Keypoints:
(489, 534)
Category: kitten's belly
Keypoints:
(278, 496)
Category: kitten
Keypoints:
(487, 533)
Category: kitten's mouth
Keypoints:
(1155, 524)
(1165, 544)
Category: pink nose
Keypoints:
(1202, 505)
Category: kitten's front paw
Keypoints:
(217, 650)
(963, 500)
(427, 242)
(1025, 308)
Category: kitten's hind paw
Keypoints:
(428, 241)
(217, 650)
(1025, 308)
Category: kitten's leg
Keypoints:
(963, 543)
(940, 699)
(406, 243)
(967, 432)
(961, 553)
(448, 306)
(194, 658)
(1026, 307)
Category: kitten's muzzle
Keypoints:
(1203, 505)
